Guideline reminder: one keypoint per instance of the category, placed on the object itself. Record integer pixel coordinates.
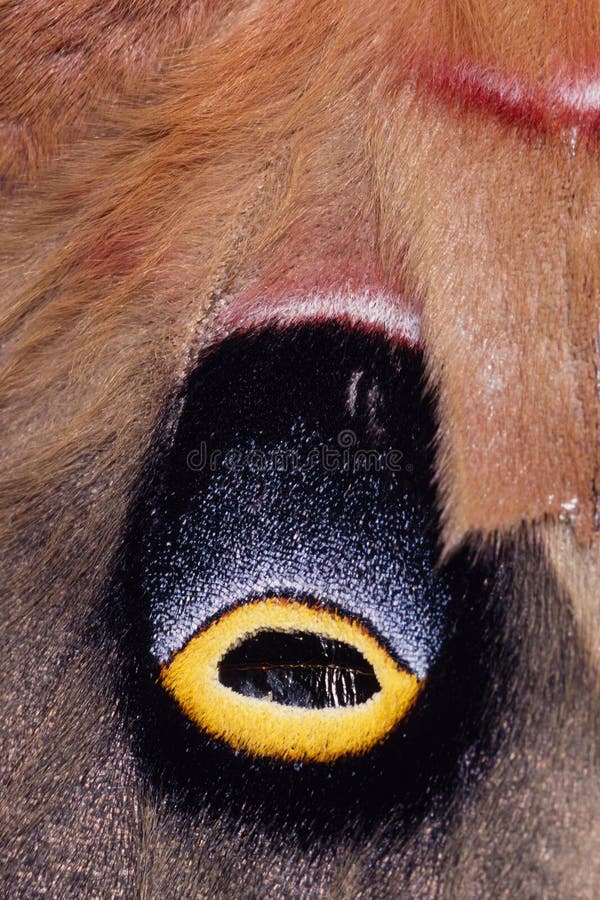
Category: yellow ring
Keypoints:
(261, 727)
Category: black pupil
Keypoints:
(298, 669)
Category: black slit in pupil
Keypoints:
(298, 669)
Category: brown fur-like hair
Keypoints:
(160, 161)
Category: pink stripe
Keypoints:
(563, 102)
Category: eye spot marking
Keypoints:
(302, 669)
(278, 678)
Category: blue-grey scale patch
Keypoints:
(352, 539)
